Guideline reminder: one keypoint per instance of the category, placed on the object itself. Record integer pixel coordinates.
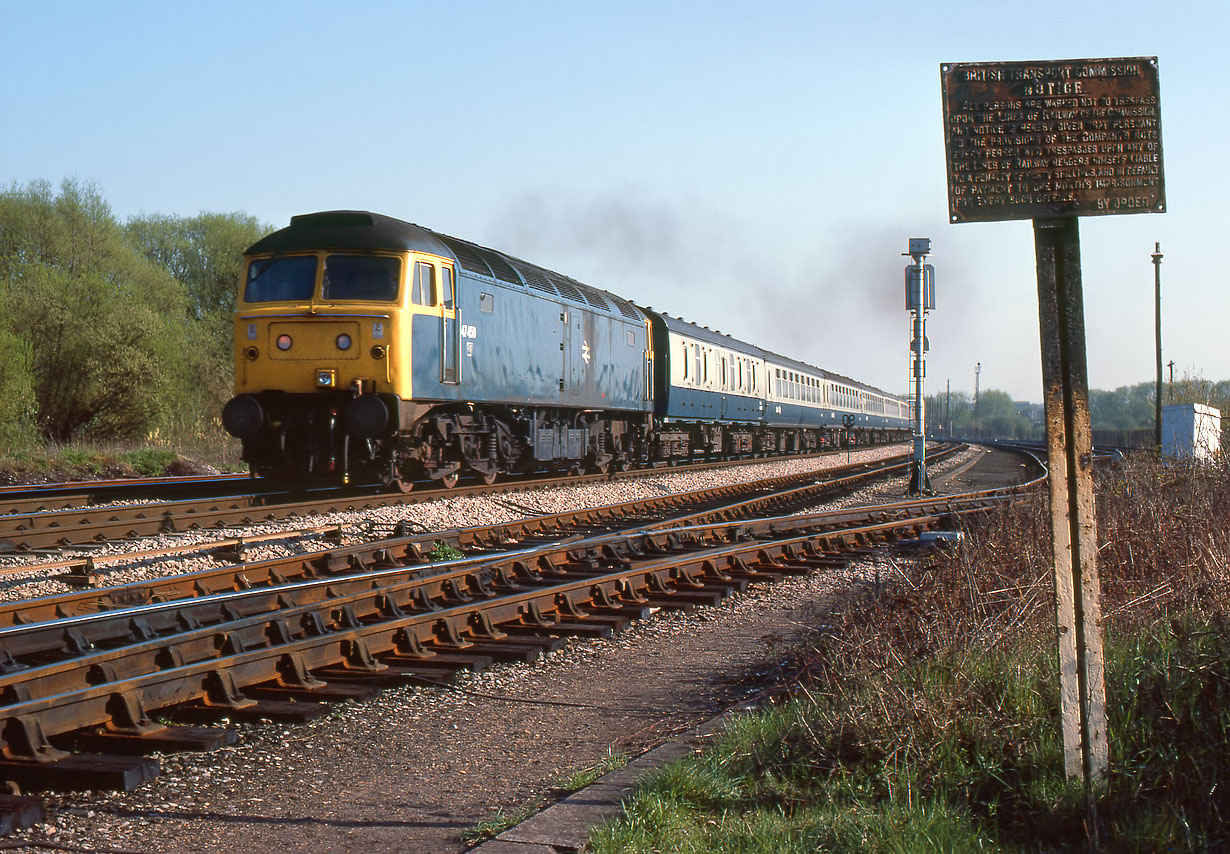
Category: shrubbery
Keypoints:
(113, 331)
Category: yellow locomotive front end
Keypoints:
(323, 362)
(321, 322)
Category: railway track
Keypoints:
(280, 639)
(59, 517)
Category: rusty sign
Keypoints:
(1076, 137)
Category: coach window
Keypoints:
(723, 373)
(684, 345)
(424, 291)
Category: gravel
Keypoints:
(412, 768)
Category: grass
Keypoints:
(927, 717)
(38, 462)
(563, 783)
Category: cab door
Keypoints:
(450, 328)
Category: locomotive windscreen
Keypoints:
(361, 277)
(290, 278)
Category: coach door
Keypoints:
(450, 329)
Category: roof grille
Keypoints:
(533, 277)
(625, 308)
(500, 267)
(468, 255)
(565, 287)
(592, 296)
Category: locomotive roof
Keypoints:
(349, 230)
(364, 230)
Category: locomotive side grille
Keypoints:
(467, 255)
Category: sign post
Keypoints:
(1052, 141)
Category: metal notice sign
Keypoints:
(1028, 140)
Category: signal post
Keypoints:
(919, 299)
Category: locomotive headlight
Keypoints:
(343, 342)
(284, 342)
(325, 378)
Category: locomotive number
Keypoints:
(469, 331)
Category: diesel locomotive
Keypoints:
(371, 349)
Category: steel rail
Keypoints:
(413, 548)
(58, 528)
(212, 664)
(44, 638)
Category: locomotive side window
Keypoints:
(424, 292)
(360, 277)
(486, 303)
(286, 279)
(446, 285)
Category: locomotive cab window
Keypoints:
(286, 279)
(424, 290)
(446, 286)
(360, 277)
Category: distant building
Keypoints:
(1191, 431)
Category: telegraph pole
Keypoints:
(1157, 315)
(977, 379)
(1170, 365)
(947, 410)
(919, 296)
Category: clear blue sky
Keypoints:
(757, 167)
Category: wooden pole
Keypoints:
(1073, 530)
(1157, 318)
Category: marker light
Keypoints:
(284, 342)
(343, 342)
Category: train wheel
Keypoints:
(399, 485)
(489, 477)
(450, 479)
